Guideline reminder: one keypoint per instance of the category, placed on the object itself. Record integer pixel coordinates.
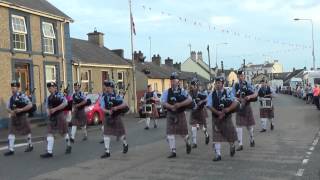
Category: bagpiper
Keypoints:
(18, 106)
(245, 93)
(55, 104)
(198, 114)
(79, 117)
(149, 101)
(222, 104)
(175, 100)
(113, 106)
(266, 106)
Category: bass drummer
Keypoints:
(266, 107)
(149, 101)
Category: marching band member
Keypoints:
(150, 99)
(222, 104)
(244, 116)
(198, 114)
(79, 117)
(176, 99)
(266, 113)
(18, 106)
(113, 105)
(56, 103)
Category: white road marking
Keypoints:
(309, 153)
(300, 172)
(311, 148)
(19, 145)
(142, 120)
(315, 142)
(305, 161)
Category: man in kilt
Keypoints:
(18, 106)
(79, 117)
(150, 98)
(55, 104)
(266, 113)
(245, 94)
(112, 105)
(222, 104)
(198, 114)
(176, 99)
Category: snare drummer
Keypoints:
(150, 99)
(266, 107)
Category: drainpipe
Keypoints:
(39, 88)
(63, 53)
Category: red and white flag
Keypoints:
(133, 25)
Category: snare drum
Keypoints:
(148, 108)
(266, 103)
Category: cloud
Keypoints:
(222, 20)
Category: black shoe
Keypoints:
(172, 155)
(232, 150)
(240, 148)
(263, 130)
(68, 150)
(46, 155)
(217, 158)
(29, 148)
(252, 143)
(146, 128)
(207, 140)
(9, 153)
(85, 138)
(105, 155)
(155, 126)
(271, 127)
(72, 140)
(188, 148)
(194, 146)
(125, 148)
(101, 142)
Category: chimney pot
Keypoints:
(96, 38)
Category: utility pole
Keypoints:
(133, 63)
(208, 49)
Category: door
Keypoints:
(22, 75)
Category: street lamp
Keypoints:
(150, 47)
(313, 55)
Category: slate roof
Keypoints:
(91, 53)
(38, 5)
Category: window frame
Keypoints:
(15, 33)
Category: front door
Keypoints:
(22, 75)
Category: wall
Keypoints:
(191, 66)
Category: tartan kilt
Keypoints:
(177, 128)
(154, 113)
(267, 113)
(205, 112)
(224, 130)
(115, 129)
(245, 117)
(58, 124)
(198, 117)
(79, 118)
(19, 125)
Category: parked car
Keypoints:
(94, 112)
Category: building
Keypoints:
(252, 70)
(93, 63)
(35, 48)
(195, 63)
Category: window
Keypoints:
(85, 81)
(48, 37)
(121, 80)
(51, 74)
(19, 32)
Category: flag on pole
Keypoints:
(133, 25)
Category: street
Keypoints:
(279, 154)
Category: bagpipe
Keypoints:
(54, 101)
(18, 103)
(178, 99)
(34, 106)
(223, 103)
(244, 91)
(200, 97)
(113, 102)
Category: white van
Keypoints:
(311, 77)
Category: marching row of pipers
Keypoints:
(221, 102)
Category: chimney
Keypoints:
(199, 56)
(293, 69)
(118, 52)
(135, 57)
(96, 38)
(138, 57)
(177, 66)
(193, 56)
(168, 62)
(156, 59)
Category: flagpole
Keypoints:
(133, 63)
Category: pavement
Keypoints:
(279, 154)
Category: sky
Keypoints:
(255, 30)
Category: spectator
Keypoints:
(316, 91)
(309, 93)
